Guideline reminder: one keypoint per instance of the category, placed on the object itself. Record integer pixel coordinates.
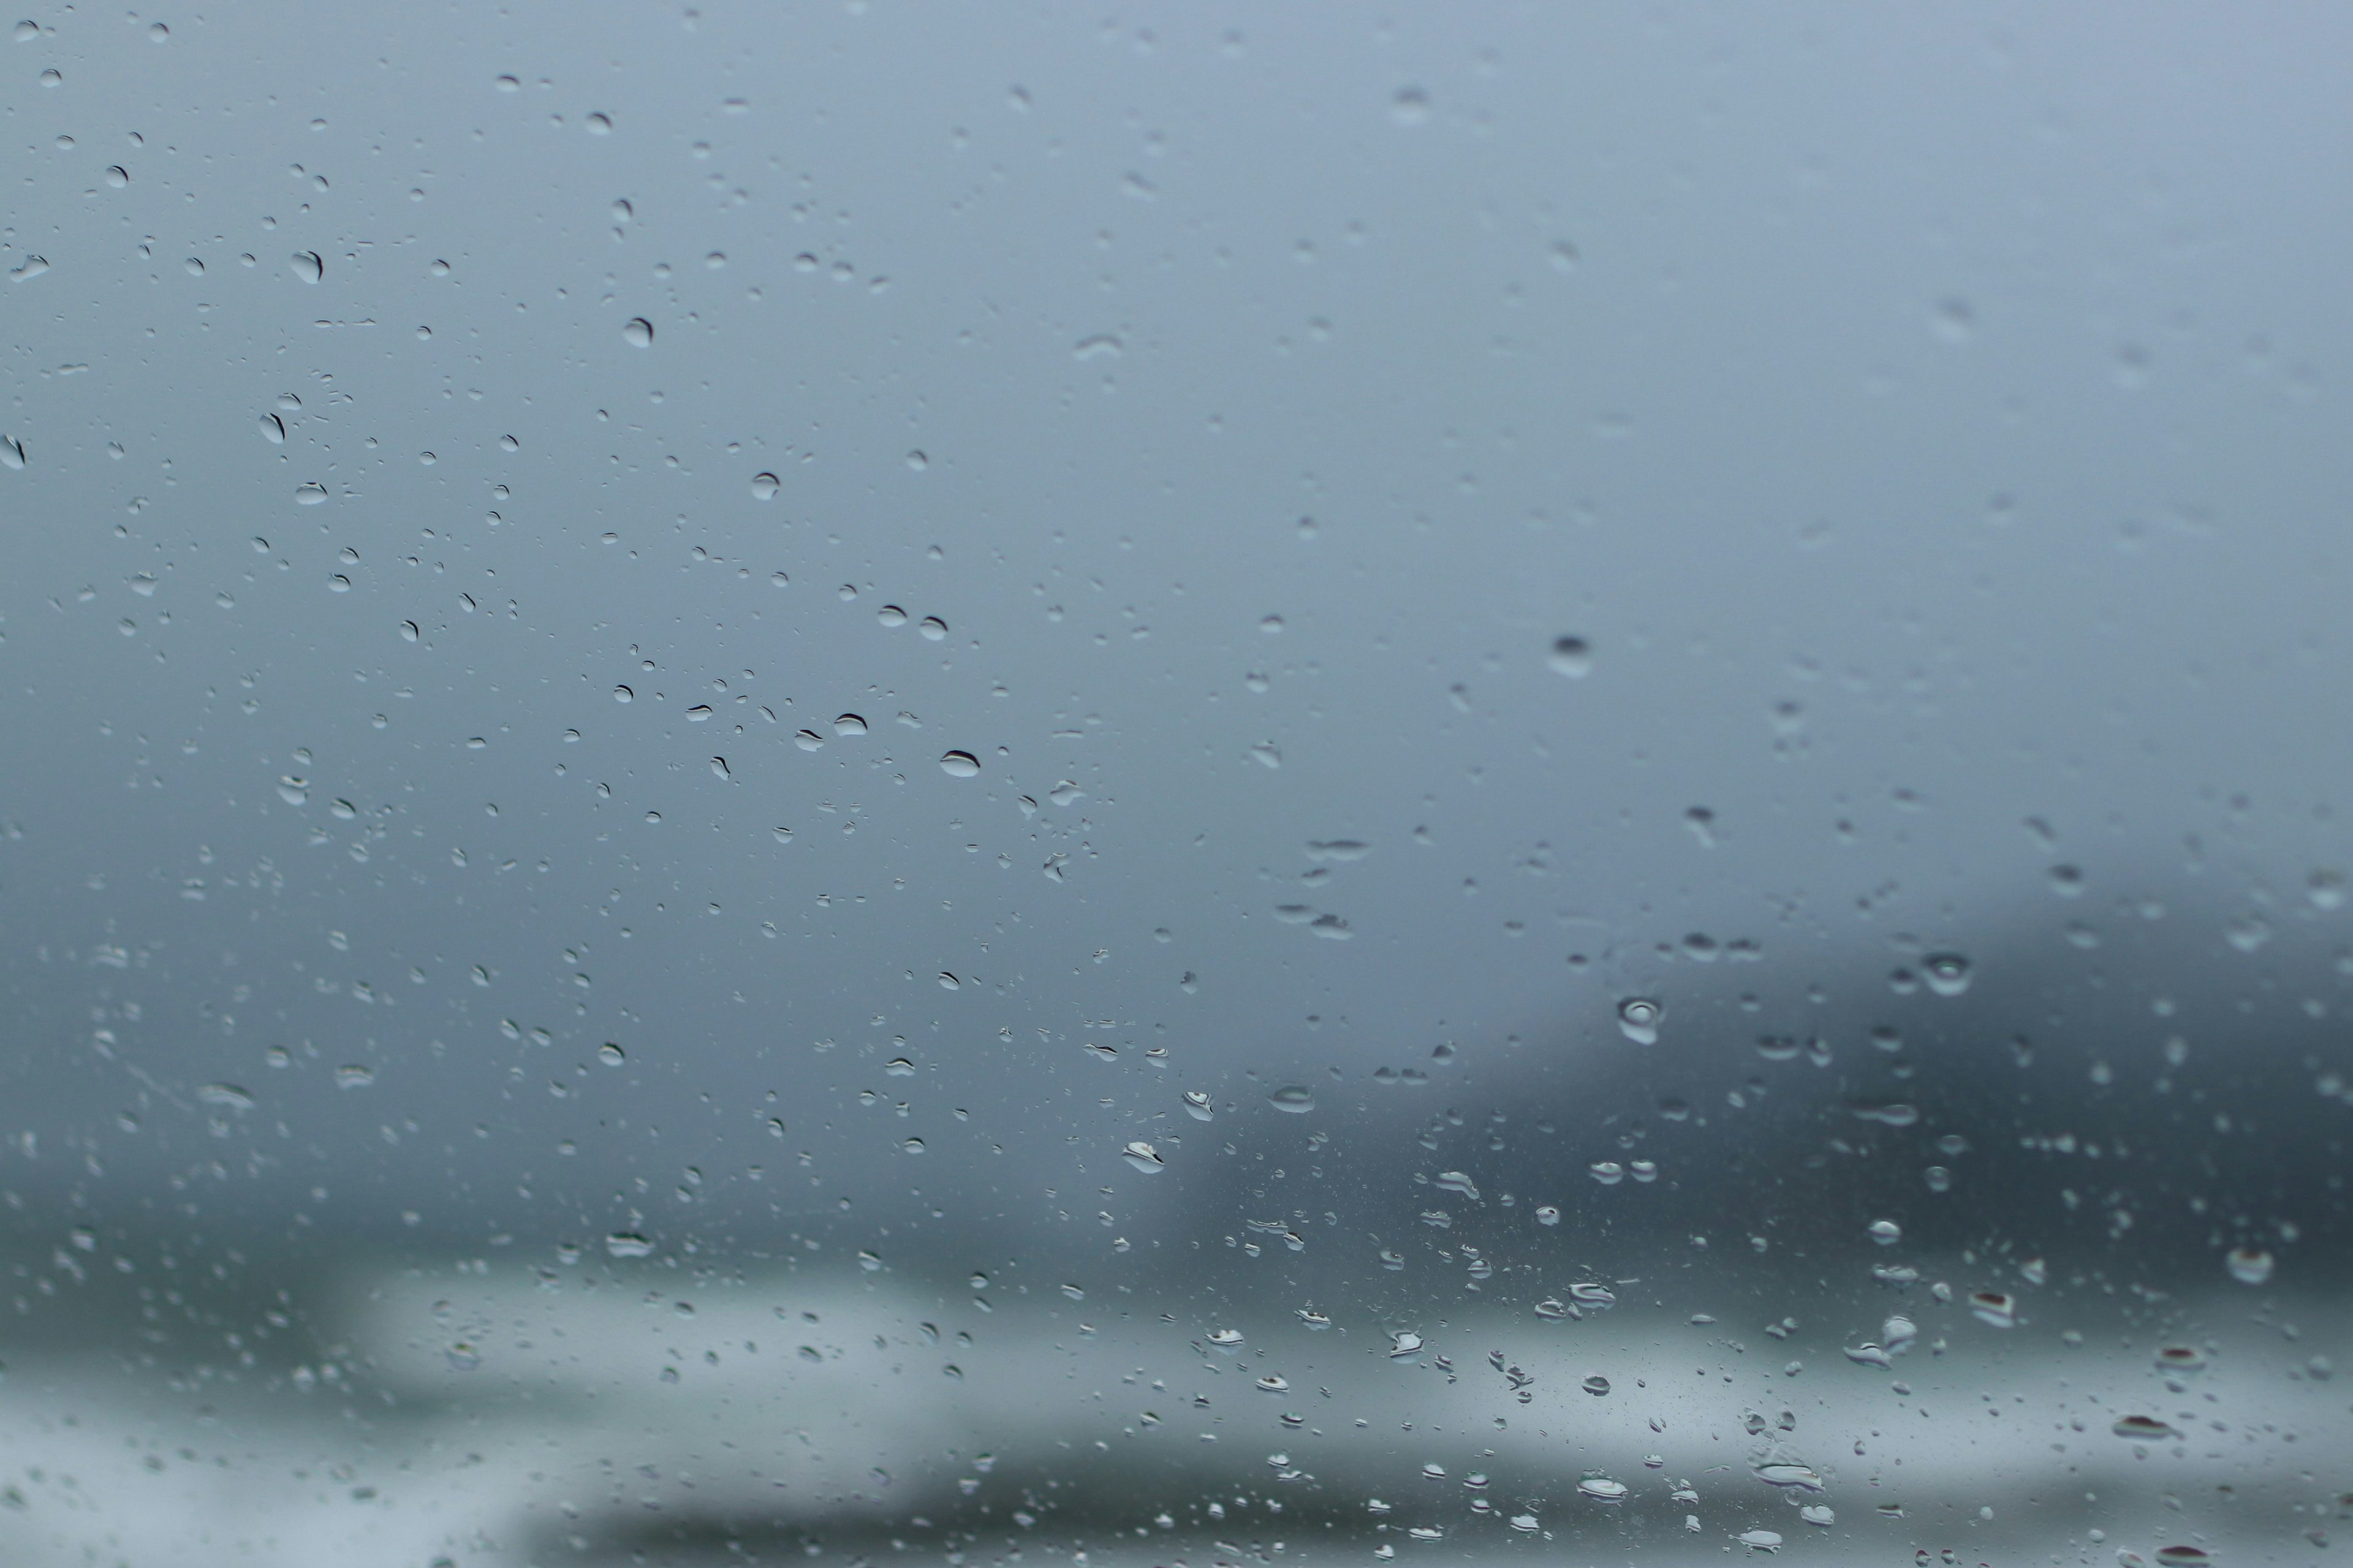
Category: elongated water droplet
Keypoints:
(1196, 1105)
(1293, 1097)
(960, 766)
(850, 725)
(628, 1243)
(308, 266)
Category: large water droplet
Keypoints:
(310, 494)
(763, 487)
(638, 333)
(1226, 1340)
(1995, 1309)
(2144, 1429)
(628, 1243)
(1601, 1488)
(2250, 1265)
(1572, 657)
(1885, 1232)
(273, 429)
(1800, 1477)
(960, 766)
(1294, 1098)
(850, 725)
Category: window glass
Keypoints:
(1174, 785)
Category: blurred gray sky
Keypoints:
(1931, 420)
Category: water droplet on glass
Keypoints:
(808, 740)
(310, 494)
(934, 628)
(1601, 1488)
(1404, 1345)
(1547, 1215)
(1525, 1523)
(1885, 1232)
(2144, 1429)
(273, 429)
(227, 1094)
(891, 616)
(1572, 657)
(1410, 106)
(1800, 1477)
(850, 725)
(1638, 1019)
(611, 1055)
(117, 175)
(32, 268)
(623, 694)
(462, 1357)
(1226, 1340)
(1995, 1309)
(960, 766)
(1608, 1172)
(292, 790)
(1593, 1295)
(638, 333)
(1271, 1383)
(1759, 1540)
(763, 487)
(1948, 973)
(2249, 1265)
(1595, 1385)
(1293, 1097)
(628, 1243)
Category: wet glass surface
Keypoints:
(1174, 787)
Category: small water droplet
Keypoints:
(310, 494)
(1297, 1098)
(1601, 1488)
(1801, 1478)
(611, 1055)
(628, 1243)
(1885, 1232)
(117, 175)
(1948, 973)
(2250, 1265)
(1144, 1157)
(1410, 106)
(1273, 1384)
(1638, 1019)
(463, 1356)
(1572, 657)
(1595, 1385)
(623, 694)
(2144, 1429)
(763, 487)
(638, 333)
(1608, 1172)
(273, 429)
(934, 628)
(1995, 1309)
(1547, 1215)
